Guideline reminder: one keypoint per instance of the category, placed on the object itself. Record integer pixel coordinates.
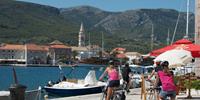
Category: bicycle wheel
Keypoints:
(116, 96)
(120, 95)
(151, 95)
(103, 96)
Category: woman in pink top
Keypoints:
(113, 79)
(167, 80)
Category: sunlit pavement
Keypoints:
(133, 95)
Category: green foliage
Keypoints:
(22, 22)
(195, 84)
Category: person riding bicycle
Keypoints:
(113, 75)
(168, 87)
(156, 69)
(154, 73)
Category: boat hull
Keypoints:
(73, 92)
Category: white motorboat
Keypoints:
(81, 87)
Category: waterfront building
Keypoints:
(12, 53)
(23, 54)
(53, 54)
(87, 52)
(79, 53)
(59, 53)
(35, 54)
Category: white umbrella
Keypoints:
(175, 57)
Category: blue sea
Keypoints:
(33, 77)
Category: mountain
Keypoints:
(27, 22)
(22, 22)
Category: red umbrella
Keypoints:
(180, 44)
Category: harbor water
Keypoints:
(33, 77)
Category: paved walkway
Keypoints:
(133, 95)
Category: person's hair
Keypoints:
(164, 63)
(127, 65)
(111, 62)
(158, 62)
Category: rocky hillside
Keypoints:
(22, 22)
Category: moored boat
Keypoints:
(73, 89)
(81, 87)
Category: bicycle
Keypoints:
(152, 92)
(118, 93)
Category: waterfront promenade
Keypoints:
(133, 95)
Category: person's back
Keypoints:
(125, 72)
(167, 81)
(113, 74)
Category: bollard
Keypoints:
(17, 92)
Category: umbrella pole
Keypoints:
(189, 88)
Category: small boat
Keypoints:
(81, 87)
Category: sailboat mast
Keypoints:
(54, 57)
(25, 54)
(102, 44)
(89, 46)
(168, 37)
(186, 35)
(152, 37)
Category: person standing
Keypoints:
(125, 75)
(113, 75)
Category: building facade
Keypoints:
(34, 54)
(10, 53)
(59, 53)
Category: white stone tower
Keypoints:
(81, 37)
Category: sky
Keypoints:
(119, 5)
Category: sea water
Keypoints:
(33, 77)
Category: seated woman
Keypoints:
(113, 75)
(167, 80)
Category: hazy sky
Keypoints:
(119, 5)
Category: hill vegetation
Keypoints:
(22, 22)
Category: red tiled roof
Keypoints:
(34, 47)
(12, 47)
(59, 46)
